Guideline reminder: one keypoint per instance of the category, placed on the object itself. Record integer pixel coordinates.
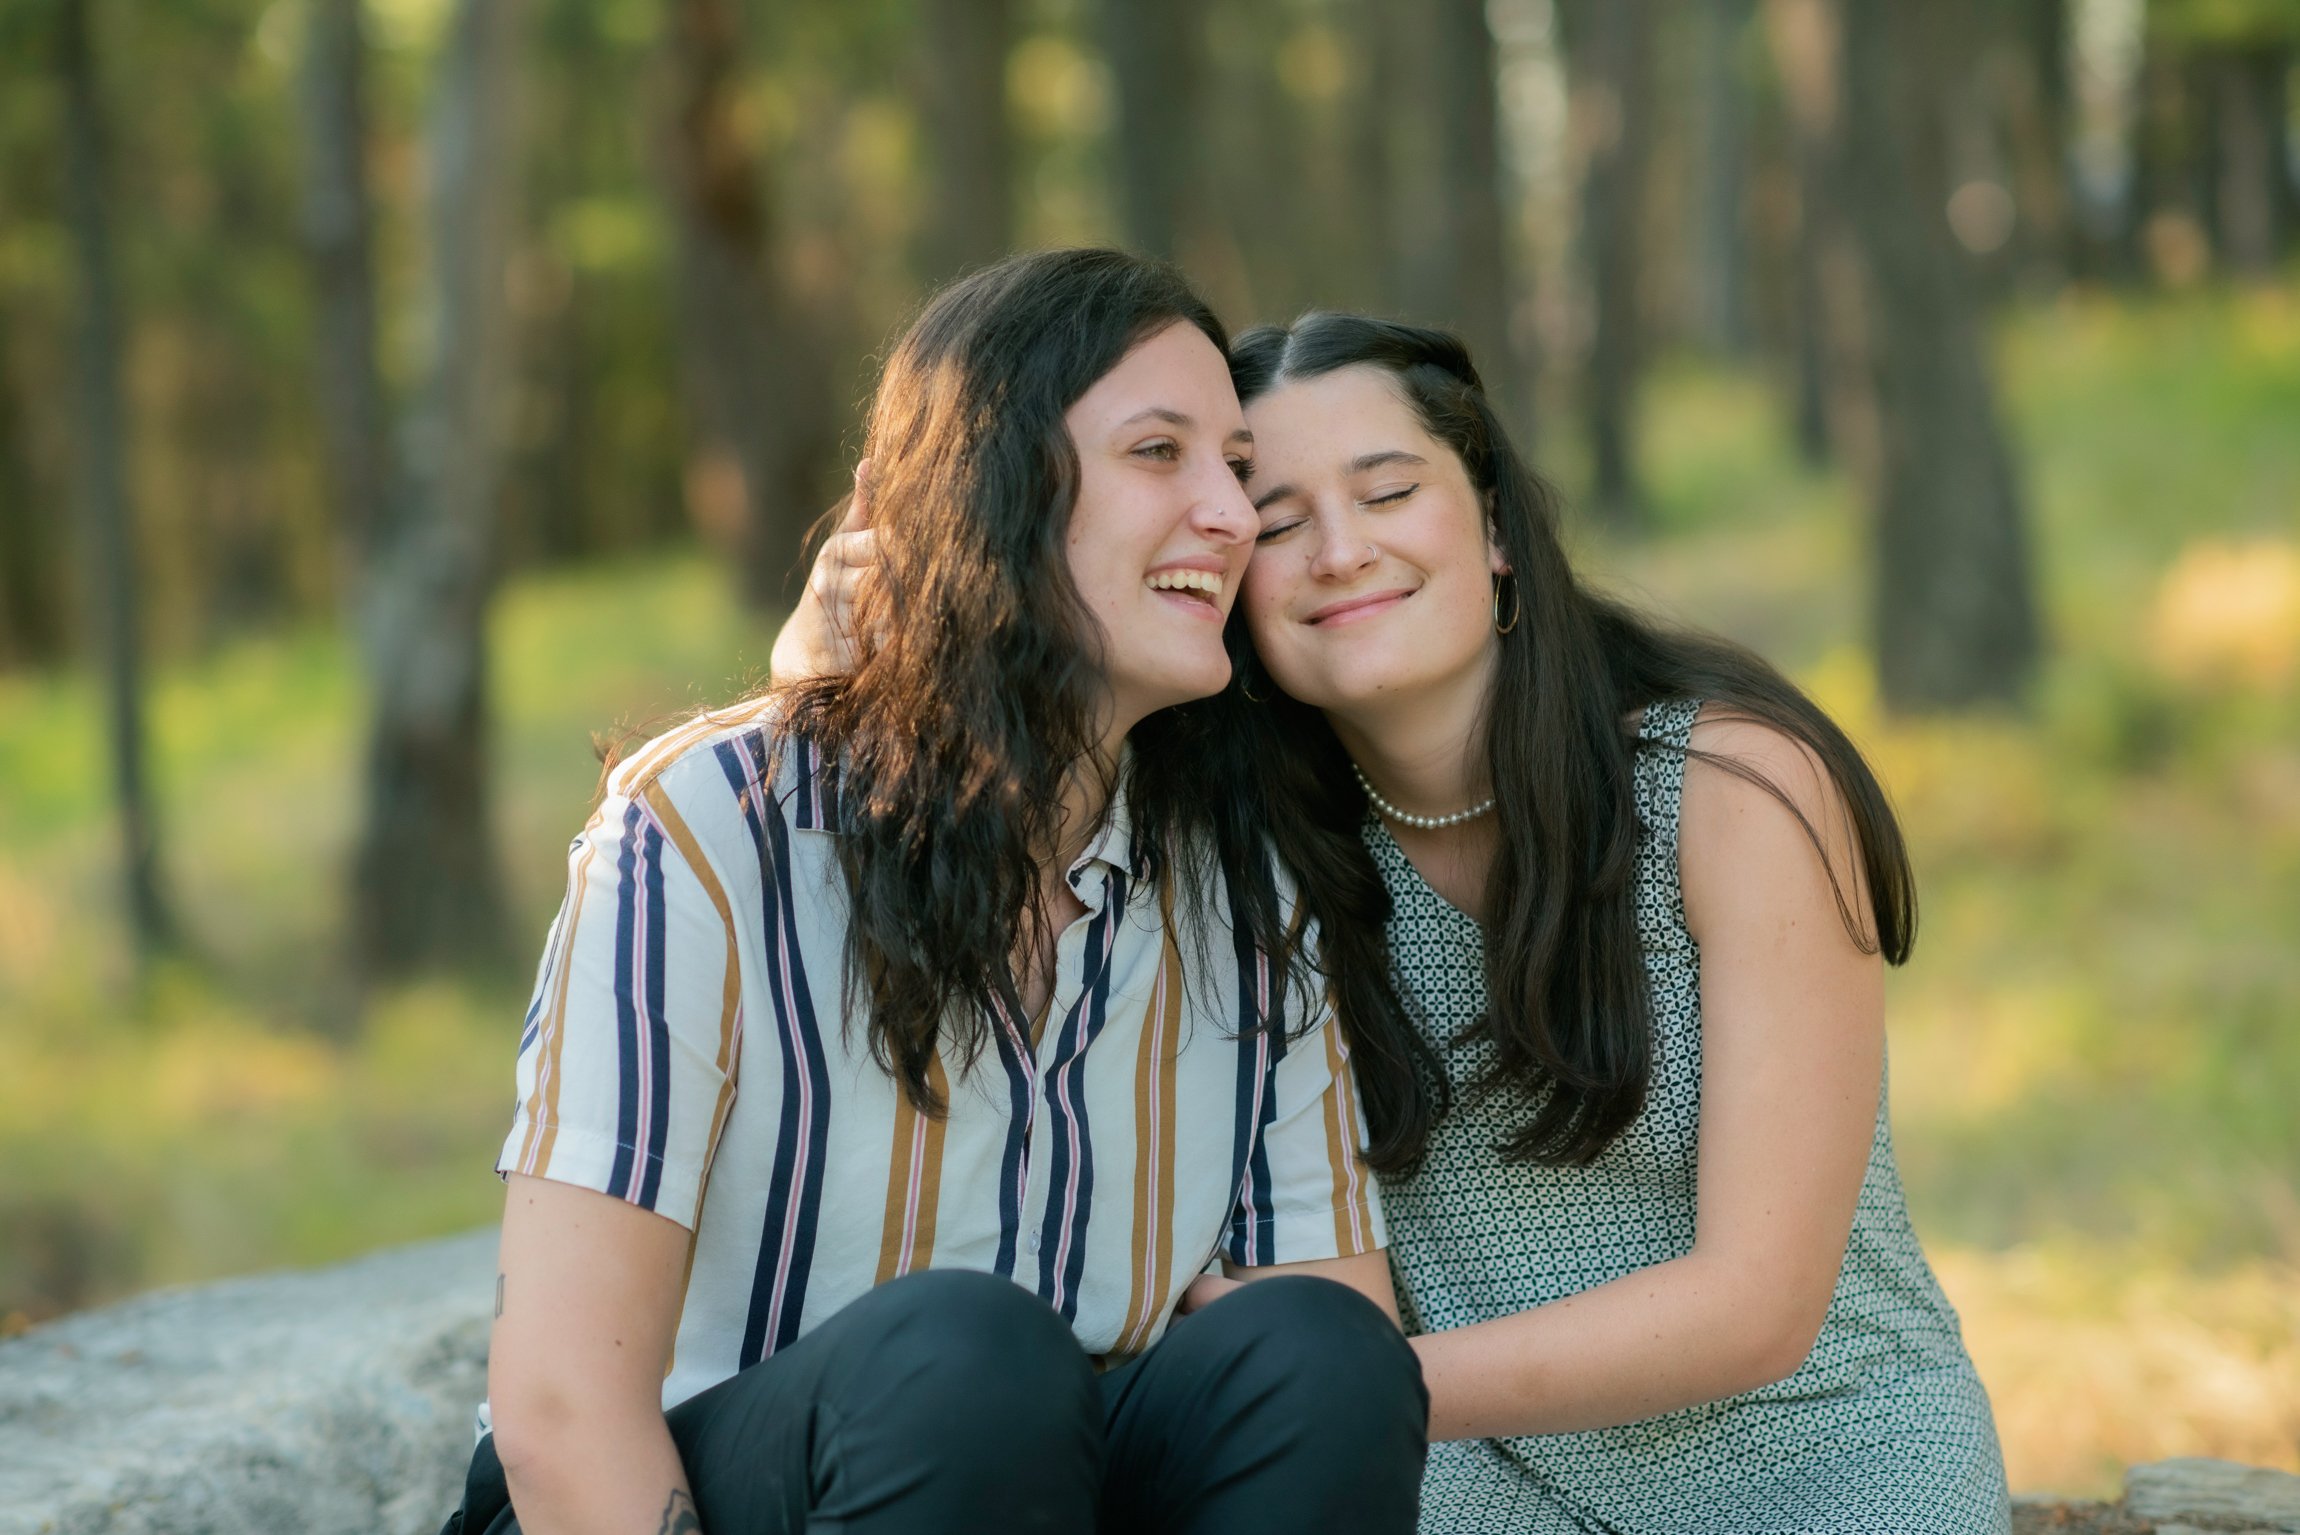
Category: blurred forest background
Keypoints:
(396, 395)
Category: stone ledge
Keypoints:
(313, 1403)
(2176, 1497)
(341, 1400)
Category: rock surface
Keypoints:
(336, 1401)
(2176, 1497)
(2210, 1493)
(2053, 1516)
(339, 1403)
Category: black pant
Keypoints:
(952, 1402)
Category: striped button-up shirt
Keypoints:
(692, 1048)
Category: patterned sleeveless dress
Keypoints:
(1885, 1428)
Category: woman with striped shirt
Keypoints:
(909, 1039)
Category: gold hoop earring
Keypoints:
(1249, 694)
(1516, 603)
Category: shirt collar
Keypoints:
(814, 795)
(1113, 846)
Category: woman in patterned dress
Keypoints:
(1622, 1013)
(1606, 908)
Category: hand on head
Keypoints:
(819, 637)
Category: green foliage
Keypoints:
(203, 197)
(240, 1111)
(2093, 1041)
(2227, 23)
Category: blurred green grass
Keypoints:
(2096, 1037)
(234, 1109)
(2095, 1061)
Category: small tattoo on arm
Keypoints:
(499, 1297)
(679, 1516)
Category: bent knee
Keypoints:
(1314, 1334)
(1294, 1304)
(968, 1297)
(969, 1329)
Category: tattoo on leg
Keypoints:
(499, 1297)
(679, 1516)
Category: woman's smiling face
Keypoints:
(1372, 576)
(1161, 528)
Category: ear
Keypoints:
(1496, 561)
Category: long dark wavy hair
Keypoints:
(978, 689)
(1570, 1014)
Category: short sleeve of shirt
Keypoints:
(627, 1057)
(1308, 1194)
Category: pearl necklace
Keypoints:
(1422, 822)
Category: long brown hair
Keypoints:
(1570, 1013)
(978, 689)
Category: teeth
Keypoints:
(1186, 581)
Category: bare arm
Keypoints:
(586, 1303)
(1792, 1059)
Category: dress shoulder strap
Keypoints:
(1664, 735)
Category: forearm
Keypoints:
(599, 1474)
(584, 1311)
(1670, 1336)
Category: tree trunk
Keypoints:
(339, 232)
(1367, 143)
(970, 147)
(2247, 102)
(1808, 261)
(751, 362)
(1610, 53)
(105, 513)
(1266, 253)
(426, 890)
(2106, 96)
(1721, 267)
(1450, 244)
(2283, 148)
(1479, 226)
(2170, 208)
(32, 618)
(565, 507)
(1156, 50)
(1955, 616)
(1834, 412)
(2038, 134)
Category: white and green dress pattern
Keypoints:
(1884, 1428)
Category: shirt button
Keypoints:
(1034, 1243)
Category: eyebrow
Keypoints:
(1176, 418)
(1358, 465)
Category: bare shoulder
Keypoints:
(1738, 754)
(1761, 810)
